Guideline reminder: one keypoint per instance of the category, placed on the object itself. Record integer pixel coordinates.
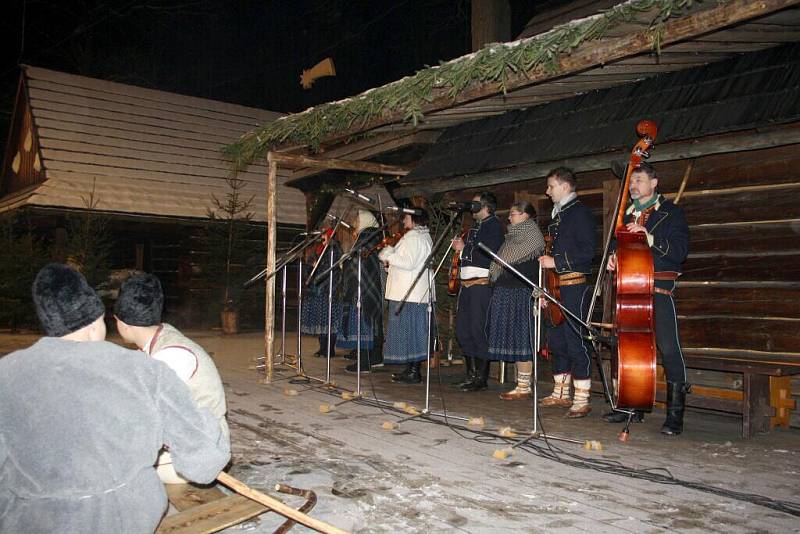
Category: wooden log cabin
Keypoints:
(739, 313)
(153, 160)
(723, 87)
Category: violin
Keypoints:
(553, 286)
(326, 237)
(634, 365)
(388, 241)
(453, 282)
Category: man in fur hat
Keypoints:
(138, 315)
(82, 421)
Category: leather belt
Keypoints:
(662, 291)
(666, 275)
(571, 279)
(475, 282)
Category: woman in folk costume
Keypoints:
(406, 333)
(314, 316)
(510, 329)
(368, 235)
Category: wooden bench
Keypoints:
(764, 400)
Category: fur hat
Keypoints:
(64, 301)
(140, 301)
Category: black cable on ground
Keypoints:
(550, 451)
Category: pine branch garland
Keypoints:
(495, 63)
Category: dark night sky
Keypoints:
(248, 52)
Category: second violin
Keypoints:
(388, 241)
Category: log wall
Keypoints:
(741, 285)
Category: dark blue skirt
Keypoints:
(406, 333)
(348, 333)
(314, 317)
(511, 324)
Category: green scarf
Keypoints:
(640, 207)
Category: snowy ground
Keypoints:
(425, 477)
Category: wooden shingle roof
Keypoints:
(145, 152)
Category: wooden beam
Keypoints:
(368, 148)
(276, 505)
(718, 144)
(589, 55)
(269, 299)
(296, 160)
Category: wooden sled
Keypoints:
(203, 510)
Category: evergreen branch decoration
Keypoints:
(495, 63)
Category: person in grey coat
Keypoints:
(82, 421)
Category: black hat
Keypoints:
(64, 301)
(140, 301)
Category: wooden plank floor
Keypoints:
(424, 477)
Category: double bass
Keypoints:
(634, 364)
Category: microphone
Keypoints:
(471, 206)
(315, 232)
(407, 211)
(360, 196)
(337, 219)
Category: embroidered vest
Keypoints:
(205, 384)
(641, 220)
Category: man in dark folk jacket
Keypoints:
(82, 421)
(476, 293)
(574, 235)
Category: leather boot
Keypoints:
(469, 370)
(413, 377)
(370, 359)
(397, 377)
(323, 351)
(480, 382)
(676, 405)
(621, 417)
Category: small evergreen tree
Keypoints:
(24, 253)
(89, 241)
(228, 239)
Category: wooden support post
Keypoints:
(269, 298)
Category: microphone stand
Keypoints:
(429, 260)
(287, 258)
(325, 248)
(539, 291)
(355, 250)
(293, 253)
(596, 293)
(427, 270)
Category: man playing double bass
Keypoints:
(668, 236)
(574, 234)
